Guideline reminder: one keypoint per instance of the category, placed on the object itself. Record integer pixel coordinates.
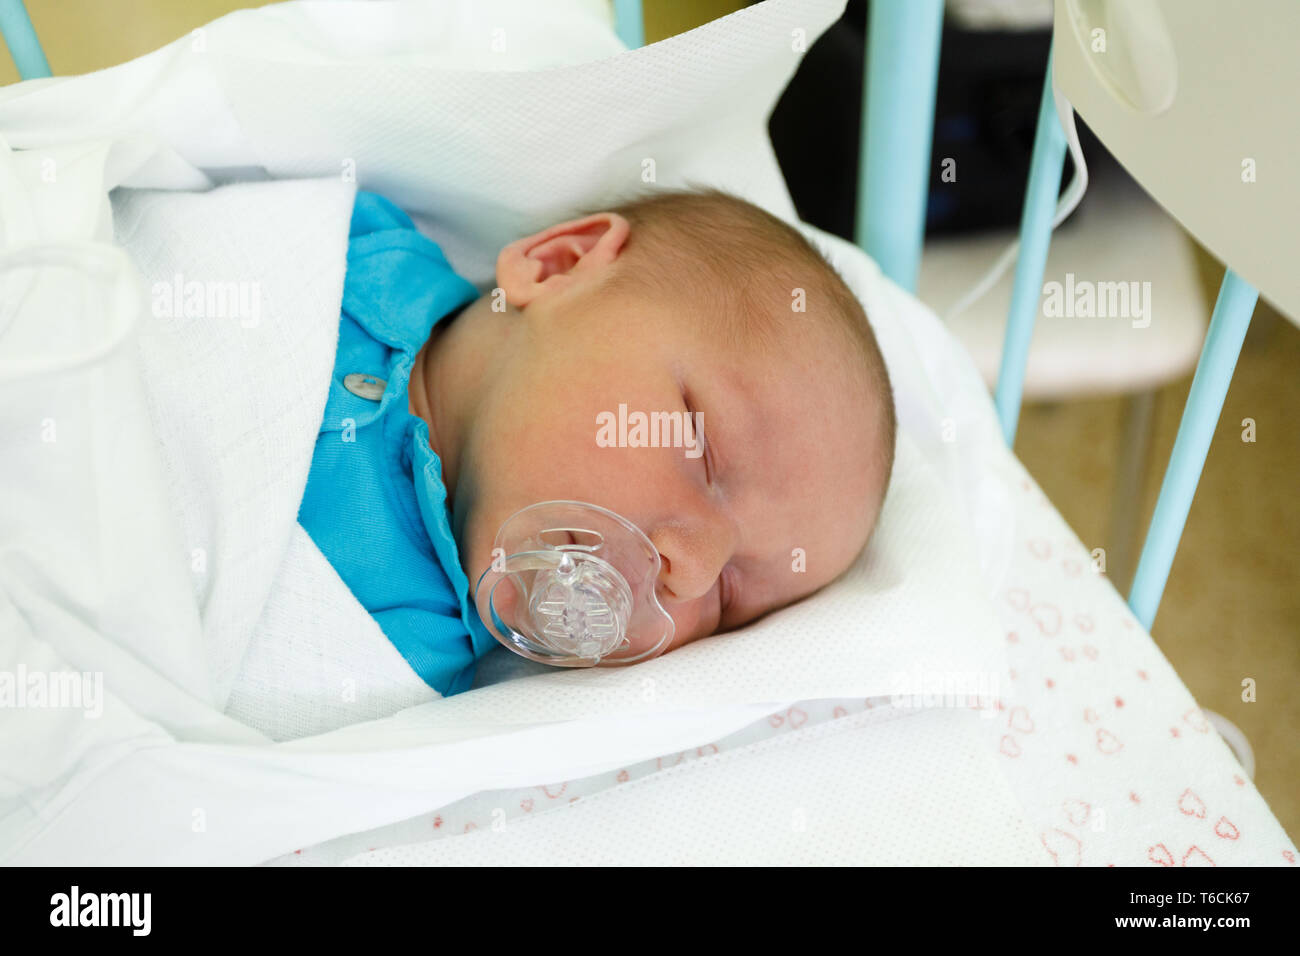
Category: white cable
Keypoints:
(1235, 739)
(1065, 205)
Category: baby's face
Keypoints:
(771, 501)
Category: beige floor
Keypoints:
(1232, 608)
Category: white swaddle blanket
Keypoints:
(154, 541)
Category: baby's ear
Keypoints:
(551, 260)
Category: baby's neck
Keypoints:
(447, 382)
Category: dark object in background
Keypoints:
(990, 84)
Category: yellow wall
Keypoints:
(84, 35)
(666, 18)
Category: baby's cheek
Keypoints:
(691, 621)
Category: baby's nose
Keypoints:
(692, 555)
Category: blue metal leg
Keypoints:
(1035, 236)
(900, 80)
(20, 37)
(1227, 331)
(628, 23)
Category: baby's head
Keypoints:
(692, 303)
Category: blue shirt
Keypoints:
(375, 503)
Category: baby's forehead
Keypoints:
(776, 318)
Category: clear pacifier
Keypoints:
(573, 584)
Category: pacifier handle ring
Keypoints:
(624, 560)
(551, 559)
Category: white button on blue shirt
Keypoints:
(375, 503)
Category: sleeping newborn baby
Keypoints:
(451, 416)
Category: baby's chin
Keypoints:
(474, 542)
(694, 620)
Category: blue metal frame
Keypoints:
(898, 103)
(20, 37)
(1231, 318)
(1041, 195)
(901, 77)
(629, 23)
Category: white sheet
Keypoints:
(180, 781)
(834, 792)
